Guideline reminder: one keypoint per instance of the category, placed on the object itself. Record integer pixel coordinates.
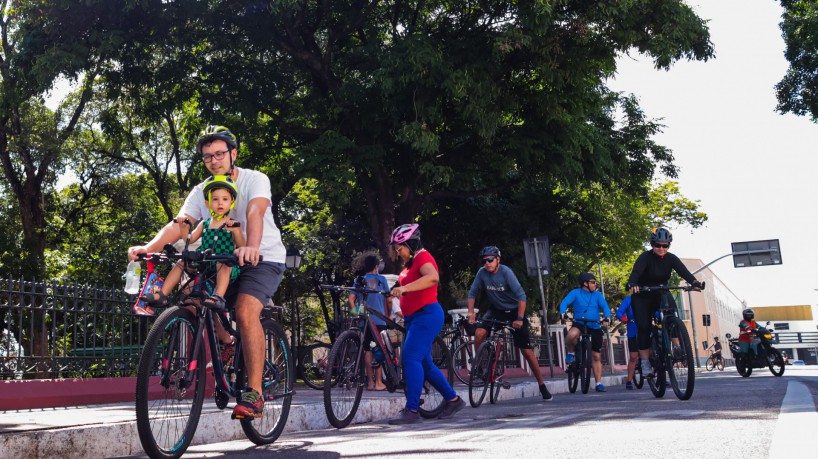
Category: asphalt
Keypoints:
(110, 430)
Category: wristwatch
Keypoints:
(519, 317)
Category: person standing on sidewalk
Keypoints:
(625, 314)
(372, 280)
(507, 299)
(424, 320)
(588, 303)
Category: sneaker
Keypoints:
(600, 388)
(451, 407)
(545, 394)
(405, 417)
(629, 385)
(569, 358)
(647, 369)
(250, 406)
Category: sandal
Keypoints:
(215, 301)
(156, 299)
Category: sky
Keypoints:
(752, 169)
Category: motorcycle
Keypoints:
(767, 355)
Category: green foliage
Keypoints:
(797, 92)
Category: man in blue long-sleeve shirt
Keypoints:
(507, 299)
(588, 303)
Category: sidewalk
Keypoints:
(110, 430)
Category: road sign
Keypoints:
(756, 253)
(537, 256)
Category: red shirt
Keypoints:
(413, 301)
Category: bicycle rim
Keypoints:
(344, 385)
(431, 400)
(710, 365)
(586, 366)
(480, 378)
(313, 364)
(463, 356)
(679, 360)
(277, 381)
(657, 382)
(167, 412)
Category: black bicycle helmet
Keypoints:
(748, 314)
(490, 251)
(661, 235)
(585, 277)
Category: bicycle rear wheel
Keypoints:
(587, 359)
(344, 385)
(277, 381)
(710, 365)
(170, 385)
(312, 364)
(679, 360)
(480, 378)
(657, 382)
(431, 400)
(463, 356)
(497, 380)
(720, 364)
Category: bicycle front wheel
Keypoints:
(480, 378)
(573, 376)
(345, 379)
(170, 385)
(587, 359)
(312, 364)
(463, 357)
(431, 400)
(657, 382)
(277, 381)
(679, 360)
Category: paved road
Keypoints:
(728, 417)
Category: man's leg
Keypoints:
(479, 336)
(597, 366)
(634, 356)
(571, 339)
(368, 368)
(532, 362)
(248, 310)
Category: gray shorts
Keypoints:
(260, 281)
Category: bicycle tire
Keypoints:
(638, 377)
(278, 381)
(344, 385)
(462, 358)
(312, 364)
(431, 400)
(573, 376)
(657, 382)
(480, 377)
(496, 385)
(165, 431)
(679, 361)
(776, 363)
(710, 365)
(587, 361)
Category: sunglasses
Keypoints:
(592, 282)
(488, 260)
(660, 246)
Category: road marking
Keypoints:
(795, 429)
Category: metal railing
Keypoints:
(53, 330)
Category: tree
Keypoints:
(797, 92)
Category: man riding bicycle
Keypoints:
(716, 348)
(588, 303)
(507, 299)
(653, 267)
(257, 281)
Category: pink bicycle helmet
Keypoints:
(404, 233)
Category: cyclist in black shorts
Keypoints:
(653, 267)
(507, 299)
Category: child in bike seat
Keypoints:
(219, 234)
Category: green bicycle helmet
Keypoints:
(223, 182)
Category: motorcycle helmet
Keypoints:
(490, 251)
(660, 235)
(585, 277)
(748, 314)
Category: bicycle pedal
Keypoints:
(506, 385)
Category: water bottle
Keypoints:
(377, 352)
(133, 278)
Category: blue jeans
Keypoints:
(422, 328)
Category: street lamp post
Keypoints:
(292, 261)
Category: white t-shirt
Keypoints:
(251, 184)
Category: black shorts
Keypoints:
(522, 337)
(260, 281)
(633, 345)
(596, 338)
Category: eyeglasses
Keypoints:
(592, 282)
(488, 260)
(660, 246)
(218, 156)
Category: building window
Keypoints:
(782, 326)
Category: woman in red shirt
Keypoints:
(423, 317)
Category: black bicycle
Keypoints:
(346, 375)
(638, 377)
(489, 366)
(671, 351)
(170, 382)
(580, 368)
(461, 344)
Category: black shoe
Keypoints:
(405, 417)
(545, 394)
(451, 408)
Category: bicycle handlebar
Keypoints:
(341, 288)
(494, 322)
(657, 288)
(170, 254)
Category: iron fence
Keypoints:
(54, 330)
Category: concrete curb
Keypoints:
(120, 438)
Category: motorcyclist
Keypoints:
(747, 330)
